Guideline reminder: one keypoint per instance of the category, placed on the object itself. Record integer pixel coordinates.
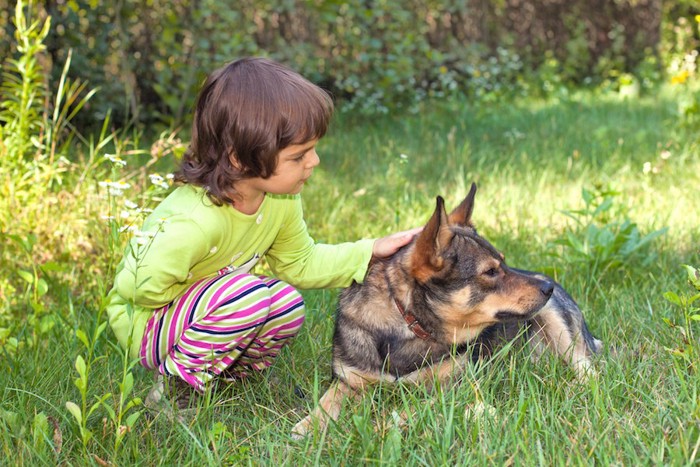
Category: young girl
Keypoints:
(185, 303)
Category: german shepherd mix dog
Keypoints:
(444, 300)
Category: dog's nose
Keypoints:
(547, 288)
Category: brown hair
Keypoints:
(246, 112)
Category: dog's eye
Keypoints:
(493, 272)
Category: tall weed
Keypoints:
(603, 238)
(687, 349)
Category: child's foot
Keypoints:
(173, 398)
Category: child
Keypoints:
(185, 303)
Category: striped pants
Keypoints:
(233, 322)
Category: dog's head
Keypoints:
(466, 280)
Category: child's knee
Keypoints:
(290, 304)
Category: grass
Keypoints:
(531, 160)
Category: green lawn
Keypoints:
(531, 161)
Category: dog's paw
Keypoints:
(584, 369)
(302, 429)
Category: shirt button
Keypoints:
(259, 219)
(214, 249)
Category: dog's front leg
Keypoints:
(443, 371)
(328, 409)
(565, 337)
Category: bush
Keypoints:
(150, 57)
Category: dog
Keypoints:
(443, 301)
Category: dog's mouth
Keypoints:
(504, 316)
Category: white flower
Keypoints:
(128, 228)
(115, 188)
(116, 160)
(646, 168)
(130, 204)
(159, 181)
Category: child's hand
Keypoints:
(387, 246)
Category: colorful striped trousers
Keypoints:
(232, 323)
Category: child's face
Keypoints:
(294, 166)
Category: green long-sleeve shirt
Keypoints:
(192, 238)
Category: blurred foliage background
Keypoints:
(148, 57)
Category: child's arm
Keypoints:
(295, 258)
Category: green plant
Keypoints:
(599, 240)
(39, 431)
(688, 348)
(23, 92)
(81, 413)
(36, 129)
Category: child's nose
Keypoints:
(313, 159)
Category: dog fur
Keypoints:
(446, 299)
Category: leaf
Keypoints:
(38, 307)
(40, 431)
(100, 329)
(11, 419)
(217, 429)
(127, 385)
(80, 384)
(82, 337)
(80, 365)
(693, 299)
(101, 462)
(110, 411)
(100, 401)
(42, 287)
(51, 266)
(135, 402)
(75, 410)
(693, 276)
(26, 275)
(131, 419)
(673, 298)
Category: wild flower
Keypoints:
(680, 78)
(648, 168)
(116, 160)
(159, 181)
(130, 204)
(128, 228)
(143, 238)
(115, 188)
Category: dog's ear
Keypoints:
(431, 242)
(462, 215)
